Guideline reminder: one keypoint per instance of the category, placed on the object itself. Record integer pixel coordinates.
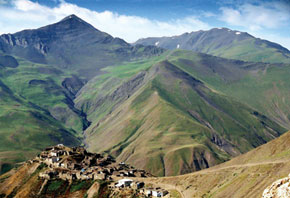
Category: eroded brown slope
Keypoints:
(244, 176)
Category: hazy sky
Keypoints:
(134, 19)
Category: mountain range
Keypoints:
(170, 111)
(87, 49)
(225, 43)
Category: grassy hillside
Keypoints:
(177, 122)
(183, 111)
(44, 69)
(98, 97)
(47, 87)
(26, 129)
(225, 43)
(244, 176)
(264, 87)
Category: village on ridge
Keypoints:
(77, 164)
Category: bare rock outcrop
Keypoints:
(279, 189)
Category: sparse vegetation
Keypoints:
(80, 185)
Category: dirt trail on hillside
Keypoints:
(163, 184)
(240, 166)
(215, 169)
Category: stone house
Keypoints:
(124, 183)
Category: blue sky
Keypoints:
(134, 19)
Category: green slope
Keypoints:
(44, 69)
(43, 85)
(25, 129)
(99, 96)
(173, 123)
(264, 87)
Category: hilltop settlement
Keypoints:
(71, 164)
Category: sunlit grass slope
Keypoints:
(25, 129)
(173, 123)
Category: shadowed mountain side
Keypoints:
(75, 45)
(225, 43)
(173, 124)
(244, 176)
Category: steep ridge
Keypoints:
(225, 43)
(86, 48)
(174, 124)
(244, 176)
(262, 86)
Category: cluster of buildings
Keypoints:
(77, 164)
(139, 187)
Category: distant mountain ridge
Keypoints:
(225, 43)
(72, 43)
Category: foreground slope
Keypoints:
(225, 43)
(244, 176)
(172, 123)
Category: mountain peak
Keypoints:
(72, 17)
(71, 22)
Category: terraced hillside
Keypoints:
(224, 42)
